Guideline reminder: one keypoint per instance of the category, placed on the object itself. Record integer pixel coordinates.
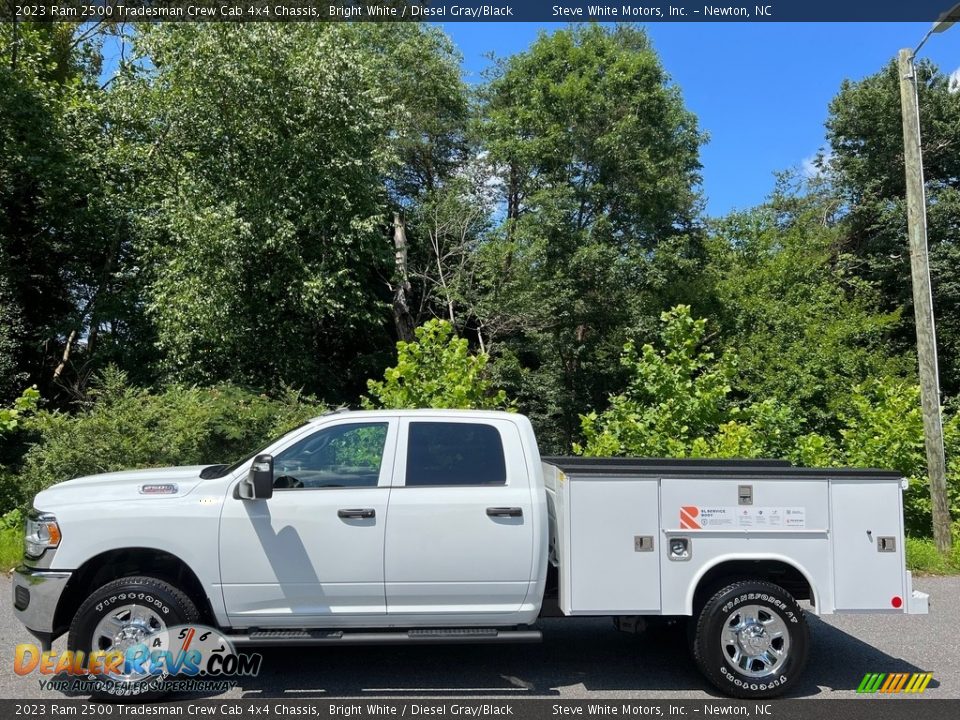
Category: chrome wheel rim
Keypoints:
(125, 627)
(756, 640)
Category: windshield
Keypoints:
(219, 471)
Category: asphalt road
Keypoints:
(580, 659)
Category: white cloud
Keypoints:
(813, 166)
(809, 167)
(955, 81)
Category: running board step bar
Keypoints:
(431, 636)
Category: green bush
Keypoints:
(124, 427)
(437, 370)
(882, 427)
(12, 437)
(676, 403)
(923, 556)
(23, 406)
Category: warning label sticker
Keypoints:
(694, 517)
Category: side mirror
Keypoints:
(258, 485)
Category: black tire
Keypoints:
(772, 641)
(170, 605)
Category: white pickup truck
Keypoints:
(420, 526)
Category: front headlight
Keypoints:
(41, 533)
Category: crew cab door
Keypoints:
(313, 553)
(459, 537)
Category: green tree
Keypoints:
(598, 164)
(865, 165)
(426, 101)
(437, 370)
(58, 236)
(429, 133)
(261, 199)
(11, 342)
(788, 301)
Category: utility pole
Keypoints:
(923, 302)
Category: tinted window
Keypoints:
(454, 454)
(340, 456)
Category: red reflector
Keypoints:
(897, 601)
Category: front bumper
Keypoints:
(36, 594)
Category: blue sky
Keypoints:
(760, 90)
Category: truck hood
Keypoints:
(123, 485)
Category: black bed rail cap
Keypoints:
(706, 468)
(579, 461)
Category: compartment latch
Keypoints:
(643, 543)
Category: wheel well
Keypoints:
(127, 562)
(776, 571)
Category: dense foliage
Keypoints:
(436, 370)
(598, 164)
(123, 427)
(233, 211)
(680, 402)
(866, 172)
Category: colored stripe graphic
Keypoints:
(891, 679)
(688, 513)
(894, 683)
(927, 677)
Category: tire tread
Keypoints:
(705, 616)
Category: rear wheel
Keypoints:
(751, 640)
(122, 614)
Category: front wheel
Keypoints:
(751, 640)
(121, 615)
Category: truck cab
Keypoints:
(377, 518)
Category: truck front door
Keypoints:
(460, 537)
(313, 553)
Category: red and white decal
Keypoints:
(688, 517)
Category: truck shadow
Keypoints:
(582, 652)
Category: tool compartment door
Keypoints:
(614, 546)
(781, 518)
(868, 574)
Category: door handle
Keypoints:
(356, 513)
(505, 512)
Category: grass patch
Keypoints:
(11, 548)
(923, 557)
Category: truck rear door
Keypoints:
(459, 535)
